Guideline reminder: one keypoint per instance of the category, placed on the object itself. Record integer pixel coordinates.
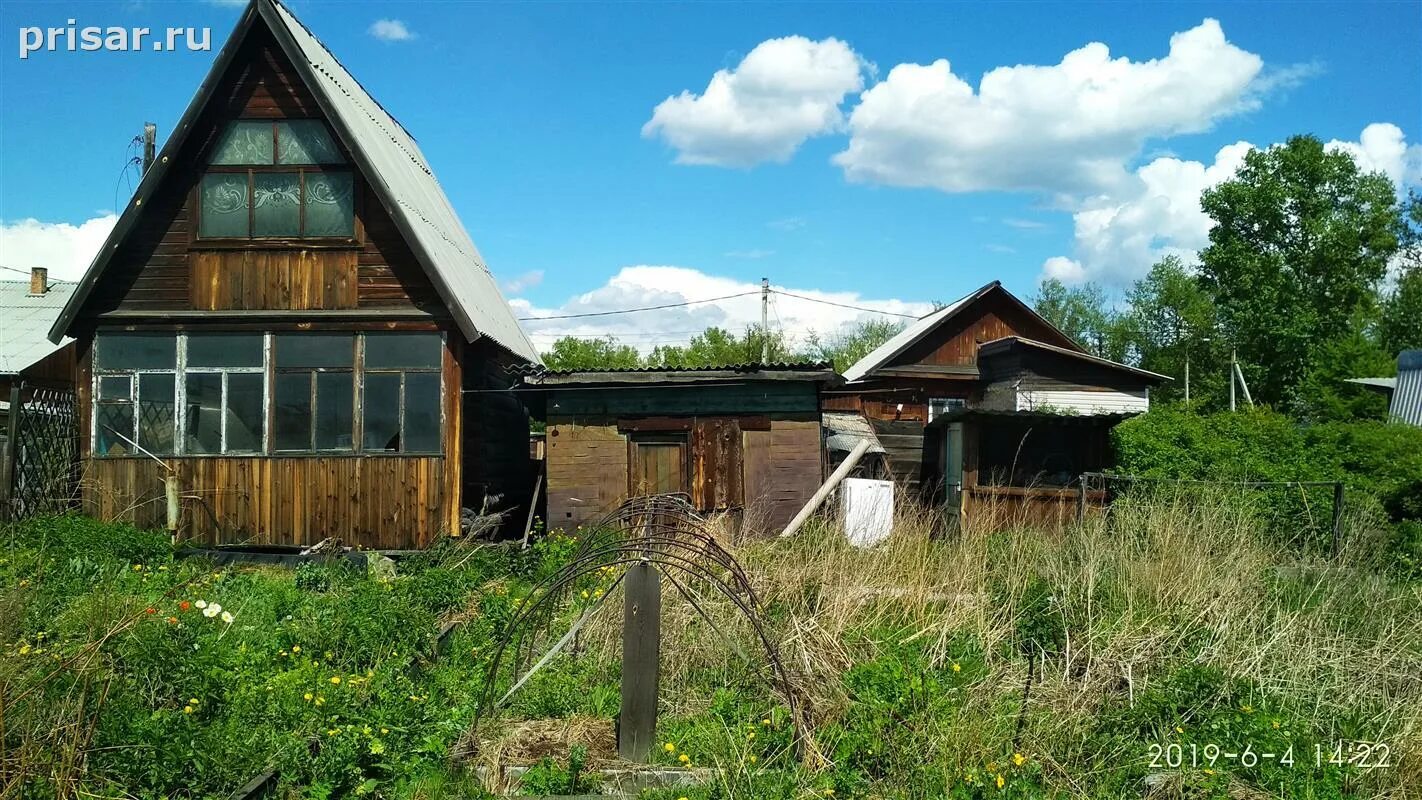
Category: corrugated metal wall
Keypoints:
(1407, 397)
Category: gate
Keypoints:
(41, 453)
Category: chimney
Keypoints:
(150, 144)
(39, 281)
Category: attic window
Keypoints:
(280, 179)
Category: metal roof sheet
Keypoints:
(24, 332)
(390, 160)
(1406, 403)
(985, 351)
(817, 371)
(925, 325)
(844, 430)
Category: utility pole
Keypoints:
(1187, 377)
(1231, 377)
(764, 320)
(150, 144)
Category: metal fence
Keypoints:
(40, 474)
(1306, 513)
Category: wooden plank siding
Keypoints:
(380, 502)
(229, 280)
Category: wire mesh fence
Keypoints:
(1306, 514)
(41, 453)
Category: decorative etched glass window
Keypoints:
(277, 180)
(401, 401)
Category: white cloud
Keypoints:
(390, 30)
(1157, 212)
(641, 286)
(1067, 128)
(788, 223)
(527, 280)
(782, 93)
(993, 247)
(1024, 224)
(63, 248)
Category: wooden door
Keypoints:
(658, 466)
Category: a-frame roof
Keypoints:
(391, 162)
(886, 352)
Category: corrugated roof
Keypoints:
(25, 320)
(845, 430)
(886, 352)
(1406, 403)
(781, 366)
(818, 371)
(1387, 384)
(391, 161)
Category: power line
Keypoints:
(844, 305)
(634, 310)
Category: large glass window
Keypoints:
(401, 403)
(276, 180)
(231, 386)
(137, 394)
(223, 378)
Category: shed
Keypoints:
(1404, 391)
(744, 439)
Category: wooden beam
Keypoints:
(849, 463)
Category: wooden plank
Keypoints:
(641, 656)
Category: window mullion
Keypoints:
(401, 426)
(268, 391)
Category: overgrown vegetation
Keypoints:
(1173, 621)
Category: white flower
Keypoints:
(201, 604)
(227, 617)
(212, 611)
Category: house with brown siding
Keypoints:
(290, 321)
(740, 440)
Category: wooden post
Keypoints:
(1337, 517)
(1081, 500)
(12, 450)
(532, 507)
(641, 650)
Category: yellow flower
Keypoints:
(296, 648)
(193, 701)
(137, 567)
(1179, 729)
(24, 649)
(320, 701)
(1275, 723)
(306, 697)
(753, 759)
(187, 709)
(669, 747)
(24, 582)
(336, 679)
(1000, 781)
(765, 722)
(957, 667)
(829, 793)
(684, 758)
(1019, 759)
(1209, 772)
(332, 732)
(1246, 708)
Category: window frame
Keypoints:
(951, 404)
(269, 372)
(357, 235)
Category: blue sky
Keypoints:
(533, 117)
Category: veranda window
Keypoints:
(252, 393)
(277, 179)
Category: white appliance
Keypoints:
(866, 508)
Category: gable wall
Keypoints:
(163, 268)
(993, 317)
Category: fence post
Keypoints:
(1081, 499)
(12, 450)
(1337, 517)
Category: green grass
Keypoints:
(1174, 625)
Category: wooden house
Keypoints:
(931, 368)
(290, 321)
(1040, 418)
(743, 439)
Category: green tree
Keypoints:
(844, 349)
(718, 347)
(572, 352)
(1400, 325)
(1171, 318)
(1083, 313)
(1301, 239)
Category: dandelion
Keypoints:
(193, 701)
(669, 747)
(24, 650)
(307, 697)
(1275, 724)
(336, 679)
(137, 567)
(296, 648)
(1179, 729)
(1019, 759)
(227, 617)
(750, 737)
(765, 722)
(333, 731)
(1246, 708)
(1000, 781)
(753, 759)
(187, 709)
(957, 667)
(384, 730)
(684, 758)
(24, 582)
(585, 594)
